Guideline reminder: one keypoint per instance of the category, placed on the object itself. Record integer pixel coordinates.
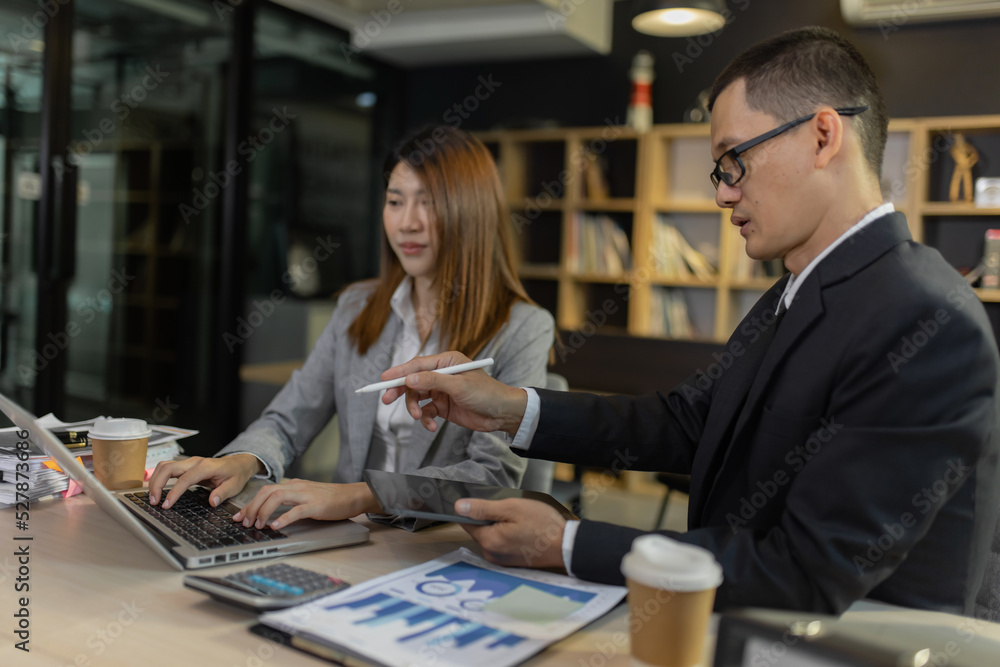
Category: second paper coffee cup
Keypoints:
(119, 451)
(671, 590)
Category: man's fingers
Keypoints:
(413, 399)
(425, 364)
(429, 381)
(393, 394)
(475, 508)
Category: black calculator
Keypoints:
(270, 587)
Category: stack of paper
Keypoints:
(41, 477)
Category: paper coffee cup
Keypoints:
(119, 451)
(671, 589)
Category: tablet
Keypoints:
(434, 498)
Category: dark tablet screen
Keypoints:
(433, 498)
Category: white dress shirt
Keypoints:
(393, 424)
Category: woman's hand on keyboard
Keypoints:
(313, 500)
(227, 474)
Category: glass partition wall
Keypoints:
(151, 102)
(20, 191)
(149, 99)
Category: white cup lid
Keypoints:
(660, 562)
(119, 428)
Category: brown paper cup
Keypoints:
(668, 628)
(120, 464)
(671, 590)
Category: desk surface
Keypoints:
(95, 605)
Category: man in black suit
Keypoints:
(851, 447)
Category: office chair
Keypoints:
(675, 482)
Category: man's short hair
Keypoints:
(792, 74)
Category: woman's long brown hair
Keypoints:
(476, 280)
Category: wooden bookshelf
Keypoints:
(664, 173)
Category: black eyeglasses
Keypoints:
(729, 168)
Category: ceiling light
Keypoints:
(679, 19)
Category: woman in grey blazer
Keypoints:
(447, 282)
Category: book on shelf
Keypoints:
(598, 245)
(669, 314)
(991, 260)
(594, 181)
(745, 268)
(674, 257)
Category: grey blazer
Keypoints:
(325, 385)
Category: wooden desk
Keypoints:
(95, 605)
(92, 604)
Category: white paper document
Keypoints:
(455, 610)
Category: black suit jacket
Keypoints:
(853, 455)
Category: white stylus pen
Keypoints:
(448, 370)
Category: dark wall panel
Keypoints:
(924, 69)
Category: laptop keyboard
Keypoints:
(204, 526)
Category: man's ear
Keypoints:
(828, 134)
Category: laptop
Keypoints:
(191, 534)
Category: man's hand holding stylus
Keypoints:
(472, 399)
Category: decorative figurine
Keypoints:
(965, 157)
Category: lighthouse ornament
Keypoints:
(640, 108)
